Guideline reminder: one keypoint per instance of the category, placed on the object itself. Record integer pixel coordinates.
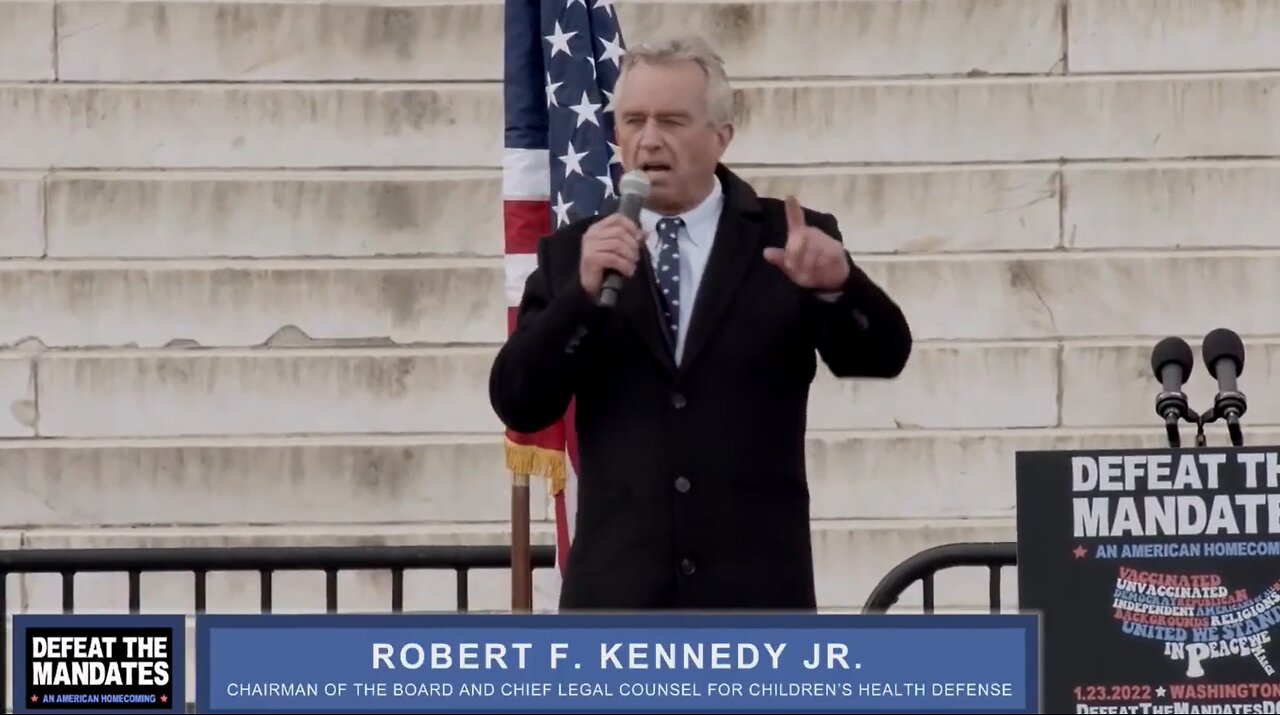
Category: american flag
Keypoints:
(560, 163)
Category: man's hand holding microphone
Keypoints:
(612, 244)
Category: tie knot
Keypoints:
(669, 229)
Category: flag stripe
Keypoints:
(524, 93)
(518, 266)
(526, 223)
(526, 174)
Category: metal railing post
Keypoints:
(926, 564)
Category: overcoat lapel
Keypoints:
(739, 244)
(638, 300)
(738, 247)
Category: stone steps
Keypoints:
(77, 125)
(917, 211)
(388, 42)
(247, 302)
(299, 481)
(455, 479)
(444, 390)
(1173, 35)
(393, 40)
(442, 301)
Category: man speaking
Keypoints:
(692, 388)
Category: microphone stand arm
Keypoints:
(1171, 430)
(1229, 407)
(1172, 405)
(1233, 429)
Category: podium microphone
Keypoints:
(1171, 361)
(1224, 357)
(634, 188)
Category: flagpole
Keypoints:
(521, 561)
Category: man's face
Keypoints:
(664, 128)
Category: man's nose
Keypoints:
(650, 136)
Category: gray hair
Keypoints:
(688, 49)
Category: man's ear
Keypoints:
(725, 133)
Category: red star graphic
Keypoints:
(1079, 551)
(164, 698)
(35, 698)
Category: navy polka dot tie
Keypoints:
(668, 274)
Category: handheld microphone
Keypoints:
(1171, 361)
(634, 188)
(1224, 357)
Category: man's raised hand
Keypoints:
(811, 259)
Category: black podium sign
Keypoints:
(1157, 577)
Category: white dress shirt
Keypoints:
(695, 241)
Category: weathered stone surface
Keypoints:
(276, 214)
(1111, 384)
(993, 297)
(458, 213)
(929, 210)
(283, 392)
(26, 40)
(18, 395)
(250, 41)
(1173, 35)
(454, 478)
(956, 474)
(1172, 205)
(245, 303)
(851, 557)
(258, 126)
(863, 37)
(264, 41)
(1004, 119)
(303, 481)
(267, 393)
(21, 215)
(947, 386)
(1081, 294)
(785, 122)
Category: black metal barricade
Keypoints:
(926, 564)
(265, 560)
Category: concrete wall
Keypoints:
(251, 261)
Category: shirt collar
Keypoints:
(705, 211)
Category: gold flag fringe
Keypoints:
(539, 461)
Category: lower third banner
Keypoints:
(654, 663)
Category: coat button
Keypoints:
(574, 341)
(687, 567)
(678, 401)
(682, 485)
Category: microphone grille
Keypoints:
(1173, 350)
(1223, 343)
(635, 182)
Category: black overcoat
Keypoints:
(692, 492)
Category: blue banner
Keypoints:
(652, 663)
